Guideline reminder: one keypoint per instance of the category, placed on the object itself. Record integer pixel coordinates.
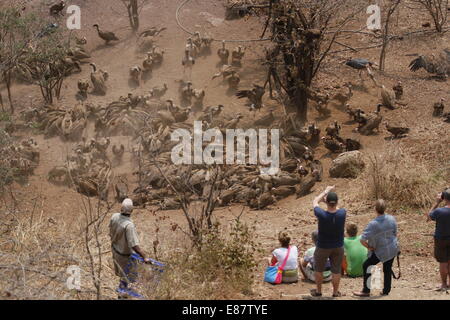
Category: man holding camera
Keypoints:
(442, 236)
(330, 242)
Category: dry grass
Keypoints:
(223, 268)
(405, 180)
(36, 249)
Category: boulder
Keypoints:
(347, 165)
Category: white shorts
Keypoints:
(310, 274)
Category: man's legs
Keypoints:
(445, 272)
(448, 283)
(335, 280)
(336, 257)
(319, 281)
(387, 271)
(372, 261)
(441, 253)
(320, 259)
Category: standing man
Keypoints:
(442, 237)
(380, 238)
(124, 242)
(330, 243)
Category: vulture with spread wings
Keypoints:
(439, 65)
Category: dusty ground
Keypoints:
(420, 271)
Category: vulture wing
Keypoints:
(447, 52)
(244, 94)
(418, 63)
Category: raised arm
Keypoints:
(321, 196)
(436, 205)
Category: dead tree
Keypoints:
(303, 33)
(200, 218)
(94, 218)
(392, 6)
(134, 8)
(438, 10)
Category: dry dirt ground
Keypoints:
(62, 205)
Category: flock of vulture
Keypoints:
(150, 119)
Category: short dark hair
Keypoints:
(284, 239)
(352, 230)
(380, 206)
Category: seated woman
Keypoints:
(307, 263)
(290, 272)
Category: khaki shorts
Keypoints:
(336, 256)
(442, 250)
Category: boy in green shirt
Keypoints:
(355, 252)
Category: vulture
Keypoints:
(387, 98)
(266, 120)
(372, 123)
(232, 124)
(254, 96)
(105, 35)
(438, 65)
(223, 54)
(57, 8)
(397, 132)
(98, 78)
(333, 145)
(153, 31)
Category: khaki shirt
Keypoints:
(123, 234)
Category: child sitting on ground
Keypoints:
(307, 263)
(355, 253)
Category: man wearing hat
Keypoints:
(330, 242)
(124, 242)
(442, 237)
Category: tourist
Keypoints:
(380, 238)
(290, 271)
(355, 254)
(307, 263)
(330, 243)
(442, 237)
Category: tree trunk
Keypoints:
(300, 102)
(8, 87)
(135, 15)
(1, 103)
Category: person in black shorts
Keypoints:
(442, 236)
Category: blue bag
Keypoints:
(271, 274)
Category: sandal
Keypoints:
(314, 293)
(339, 294)
(361, 294)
